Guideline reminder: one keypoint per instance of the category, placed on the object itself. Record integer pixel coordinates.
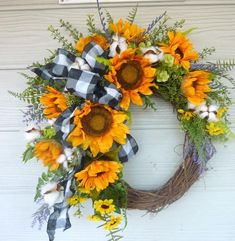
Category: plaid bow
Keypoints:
(59, 219)
(85, 84)
(64, 127)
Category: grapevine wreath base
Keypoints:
(79, 103)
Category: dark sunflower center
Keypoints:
(104, 206)
(97, 122)
(178, 51)
(98, 174)
(130, 75)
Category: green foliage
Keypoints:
(73, 100)
(73, 32)
(114, 236)
(170, 90)
(29, 95)
(46, 60)
(132, 14)
(109, 17)
(28, 154)
(91, 25)
(55, 32)
(207, 52)
(50, 176)
(159, 33)
(196, 130)
(49, 132)
(117, 192)
(148, 102)
(226, 65)
(103, 61)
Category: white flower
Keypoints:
(119, 44)
(205, 112)
(80, 64)
(153, 54)
(51, 121)
(61, 159)
(51, 193)
(68, 153)
(32, 134)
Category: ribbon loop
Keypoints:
(83, 83)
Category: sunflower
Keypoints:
(127, 30)
(113, 223)
(98, 175)
(48, 151)
(104, 206)
(75, 199)
(195, 86)
(98, 39)
(97, 127)
(133, 75)
(54, 101)
(180, 48)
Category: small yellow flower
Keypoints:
(221, 111)
(75, 199)
(114, 222)
(104, 206)
(94, 218)
(214, 129)
(185, 115)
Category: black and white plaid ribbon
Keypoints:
(85, 84)
(59, 219)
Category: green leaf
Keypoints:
(132, 14)
(28, 154)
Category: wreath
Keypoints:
(79, 101)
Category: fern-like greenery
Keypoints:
(91, 25)
(226, 65)
(56, 34)
(73, 32)
(109, 17)
(207, 52)
(132, 14)
(159, 33)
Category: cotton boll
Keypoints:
(51, 122)
(32, 135)
(61, 158)
(203, 115)
(79, 64)
(153, 54)
(202, 108)
(51, 193)
(118, 45)
(213, 108)
(212, 117)
(68, 152)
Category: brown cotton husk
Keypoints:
(153, 201)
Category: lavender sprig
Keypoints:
(153, 23)
(41, 216)
(103, 21)
(33, 114)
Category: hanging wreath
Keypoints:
(79, 103)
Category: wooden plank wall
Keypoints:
(205, 213)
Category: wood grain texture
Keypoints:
(6, 5)
(205, 213)
(24, 39)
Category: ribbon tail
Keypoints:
(128, 150)
(59, 219)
